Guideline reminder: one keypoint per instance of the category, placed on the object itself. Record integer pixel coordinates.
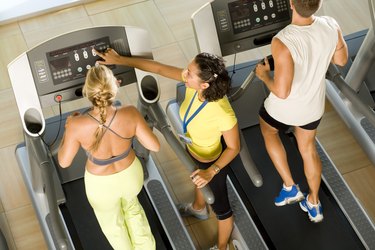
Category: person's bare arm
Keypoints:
(144, 134)
(281, 84)
(69, 145)
(232, 140)
(340, 57)
(112, 57)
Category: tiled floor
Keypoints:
(172, 38)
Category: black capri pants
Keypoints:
(218, 185)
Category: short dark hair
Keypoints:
(212, 70)
(306, 8)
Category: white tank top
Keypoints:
(312, 48)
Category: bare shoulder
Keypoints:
(129, 112)
(281, 53)
(128, 109)
(278, 47)
(76, 121)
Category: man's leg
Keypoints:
(276, 151)
(313, 170)
(311, 161)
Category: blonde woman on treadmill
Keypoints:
(114, 175)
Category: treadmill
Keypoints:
(3, 242)
(351, 89)
(229, 27)
(52, 74)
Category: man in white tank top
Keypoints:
(302, 52)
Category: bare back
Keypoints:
(80, 131)
(111, 144)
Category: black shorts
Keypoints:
(282, 126)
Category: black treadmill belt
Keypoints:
(288, 227)
(84, 227)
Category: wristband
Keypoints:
(216, 168)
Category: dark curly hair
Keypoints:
(212, 70)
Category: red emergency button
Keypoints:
(58, 98)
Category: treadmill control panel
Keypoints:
(73, 62)
(59, 66)
(246, 24)
(249, 14)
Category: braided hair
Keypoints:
(100, 89)
(212, 70)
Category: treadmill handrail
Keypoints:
(334, 75)
(149, 107)
(244, 154)
(163, 126)
(249, 79)
(44, 159)
(244, 86)
(372, 13)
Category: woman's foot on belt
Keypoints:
(186, 209)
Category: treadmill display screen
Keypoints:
(246, 15)
(242, 25)
(72, 63)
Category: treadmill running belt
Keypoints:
(83, 225)
(288, 227)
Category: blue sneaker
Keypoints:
(315, 212)
(289, 197)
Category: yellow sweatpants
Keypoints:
(116, 206)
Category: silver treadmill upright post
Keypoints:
(41, 186)
(362, 62)
(365, 56)
(372, 11)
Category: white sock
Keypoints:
(198, 210)
(287, 188)
(310, 204)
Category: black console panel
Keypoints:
(59, 66)
(246, 24)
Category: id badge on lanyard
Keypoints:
(184, 138)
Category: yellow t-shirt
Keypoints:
(206, 128)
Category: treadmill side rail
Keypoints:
(345, 198)
(167, 212)
(59, 239)
(245, 231)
